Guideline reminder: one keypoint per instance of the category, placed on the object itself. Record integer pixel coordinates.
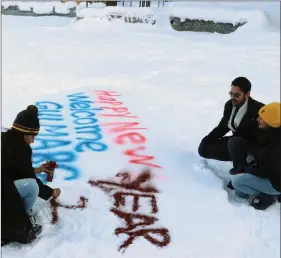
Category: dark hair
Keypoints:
(243, 83)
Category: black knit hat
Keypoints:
(27, 121)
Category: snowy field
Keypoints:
(174, 84)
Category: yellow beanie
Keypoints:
(271, 114)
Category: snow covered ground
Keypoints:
(175, 85)
(253, 12)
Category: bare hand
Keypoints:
(44, 168)
(56, 192)
(49, 170)
(41, 169)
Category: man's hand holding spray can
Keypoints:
(50, 170)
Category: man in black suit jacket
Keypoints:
(239, 116)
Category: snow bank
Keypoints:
(7, 4)
(120, 11)
(25, 6)
(62, 8)
(97, 5)
(43, 8)
(211, 14)
(127, 14)
(256, 15)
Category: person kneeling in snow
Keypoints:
(239, 116)
(20, 186)
(260, 180)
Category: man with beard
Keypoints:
(239, 116)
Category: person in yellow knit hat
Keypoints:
(260, 178)
(269, 115)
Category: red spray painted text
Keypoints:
(127, 132)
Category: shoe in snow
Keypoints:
(236, 171)
(36, 227)
(25, 236)
(230, 186)
(262, 201)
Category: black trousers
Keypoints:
(227, 148)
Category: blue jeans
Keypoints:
(28, 190)
(247, 184)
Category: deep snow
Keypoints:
(176, 83)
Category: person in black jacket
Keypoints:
(239, 116)
(20, 186)
(261, 179)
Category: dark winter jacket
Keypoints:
(247, 128)
(17, 161)
(268, 156)
(15, 223)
